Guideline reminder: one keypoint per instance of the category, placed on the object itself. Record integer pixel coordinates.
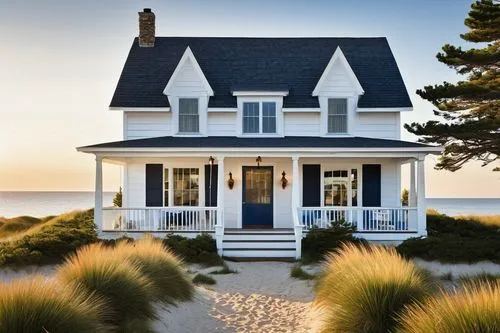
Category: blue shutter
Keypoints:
(372, 189)
(311, 185)
(154, 185)
(211, 186)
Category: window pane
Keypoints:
(335, 188)
(269, 117)
(189, 120)
(251, 117)
(337, 115)
(186, 187)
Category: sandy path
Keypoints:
(260, 298)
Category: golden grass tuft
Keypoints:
(364, 289)
(41, 305)
(490, 220)
(120, 283)
(475, 309)
(161, 266)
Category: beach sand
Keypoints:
(260, 298)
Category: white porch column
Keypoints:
(421, 206)
(412, 198)
(295, 205)
(219, 228)
(295, 183)
(98, 193)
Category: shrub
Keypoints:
(475, 309)
(319, 242)
(40, 305)
(203, 279)
(161, 266)
(454, 240)
(51, 241)
(199, 250)
(120, 283)
(298, 273)
(363, 289)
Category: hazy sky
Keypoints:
(60, 61)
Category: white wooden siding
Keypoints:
(146, 124)
(136, 182)
(188, 82)
(222, 124)
(302, 123)
(384, 125)
(337, 81)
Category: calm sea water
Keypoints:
(51, 203)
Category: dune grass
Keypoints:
(364, 289)
(41, 305)
(491, 220)
(11, 226)
(203, 279)
(127, 291)
(49, 242)
(161, 266)
(475, 309)
(480, 278)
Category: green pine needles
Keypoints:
(470, 109)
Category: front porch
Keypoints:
(341, 189)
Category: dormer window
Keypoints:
(189, 118)
(257, 122)
(337, 116)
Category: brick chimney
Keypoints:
(146, 28)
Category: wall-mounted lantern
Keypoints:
(230, 181)
(211, 160)
(259, 161)
(284, 181)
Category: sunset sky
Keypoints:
(60, 61)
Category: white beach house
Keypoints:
(256, 140)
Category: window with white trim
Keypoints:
(189, 119)
(340, 187)
(337, 116)
(257, 122)
(186, 186)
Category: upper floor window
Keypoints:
(189, 119)
(255, 121)
(337, 115)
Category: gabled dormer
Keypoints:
(338, 91)
(188, 92)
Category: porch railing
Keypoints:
(366, 219)
(161, 219)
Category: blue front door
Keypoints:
(257, 197)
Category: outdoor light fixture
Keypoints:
(258, 160)
(284, 181)
(230, 181)
(211, 160)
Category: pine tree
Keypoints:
(470, 108)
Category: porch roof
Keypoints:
(299, 142)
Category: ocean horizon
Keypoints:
(45, 203)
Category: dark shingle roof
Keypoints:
(263, 63)
(235, 142)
